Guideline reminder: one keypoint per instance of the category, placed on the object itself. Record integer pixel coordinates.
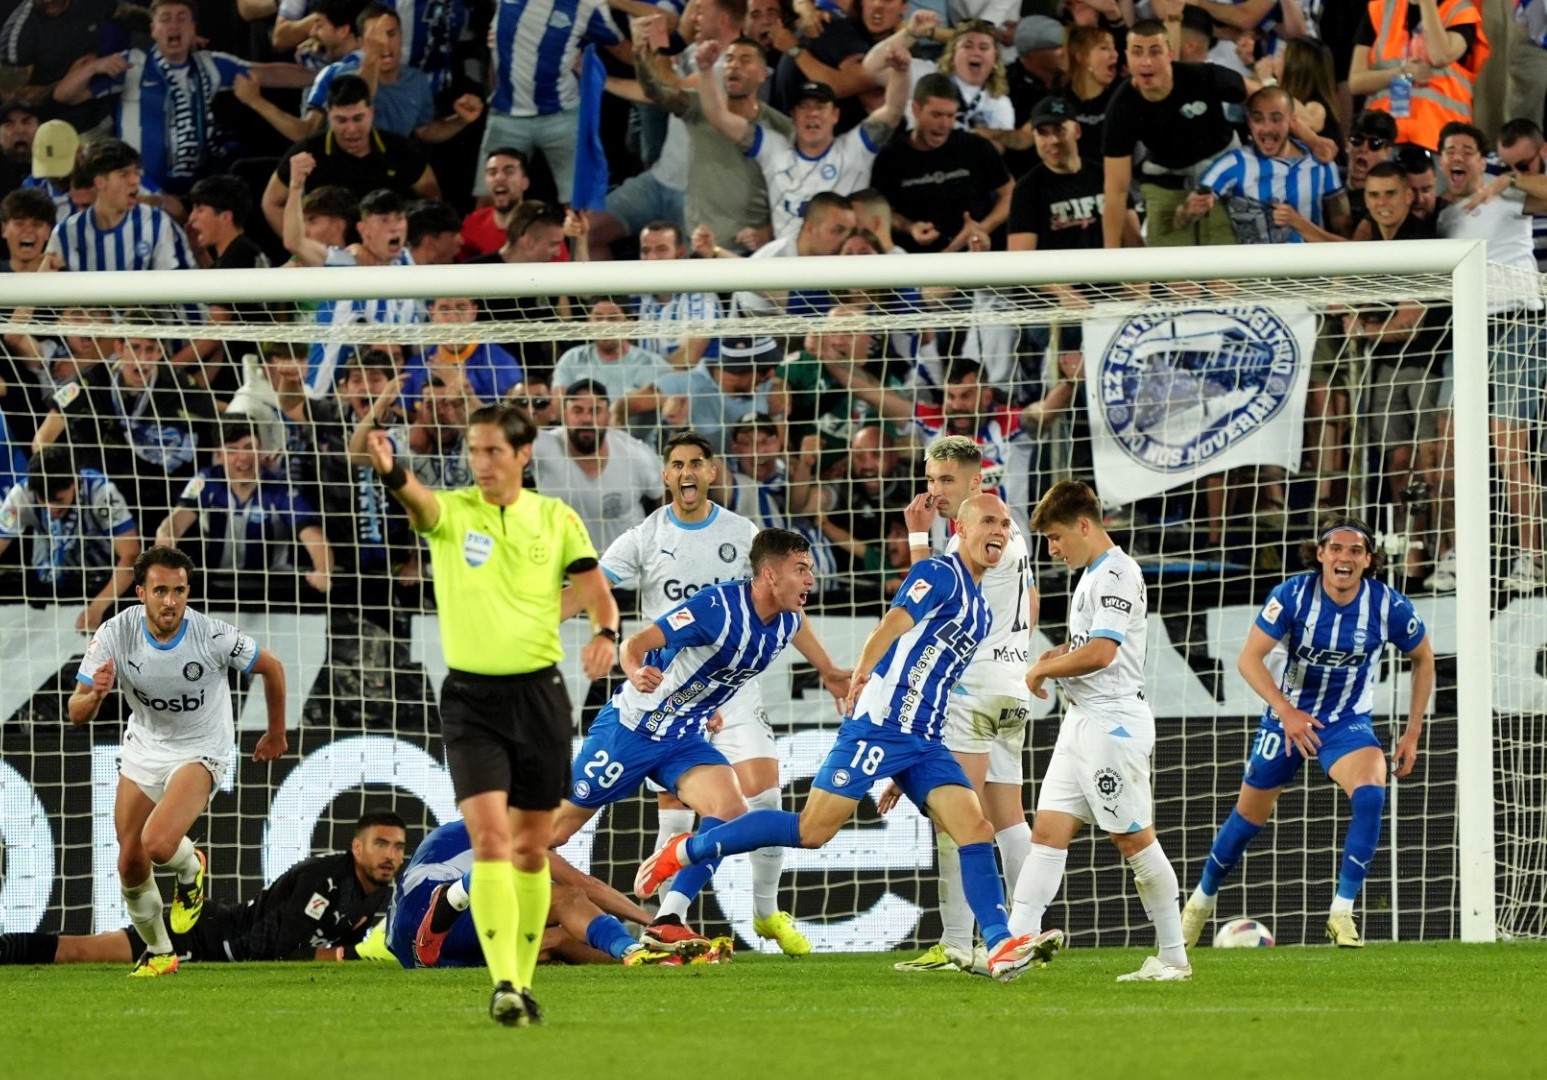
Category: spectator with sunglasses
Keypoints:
(1371, 139)
(1521, 151)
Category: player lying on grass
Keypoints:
(172, 662)
(681, 669)
(316, 908)
(428, 924)
(1332, 624)
(895, 712)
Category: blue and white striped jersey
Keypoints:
(909, 687)
(536, 44)
(1251, 183)
(79, 539)
(145, 238)
(322, 363)
(662, 315)
(167, 111)
(715, 644)
(1331, 650)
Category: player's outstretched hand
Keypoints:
(598, 657)
(646, 679)
(919, 514)
(889, 798)
(1299, 729)
(271, 746)
(837, 683)
(379, 447)
(1405, 756)
(102, 681)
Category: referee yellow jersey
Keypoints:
(498, 574)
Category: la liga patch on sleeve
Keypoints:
(918, 590)
(679, 618)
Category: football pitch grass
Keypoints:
(1392, 1010)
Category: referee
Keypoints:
(500, 556)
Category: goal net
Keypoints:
(1222, 402)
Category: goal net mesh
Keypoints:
(1220, 420)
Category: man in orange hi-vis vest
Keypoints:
(1417, 60)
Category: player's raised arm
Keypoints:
(1406, 754)
(274, 741)
(833, 677)
(420, 502)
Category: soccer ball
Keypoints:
(1243, 934)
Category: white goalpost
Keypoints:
(1221, 393)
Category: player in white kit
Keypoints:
(1100, 772)
(680, 548)
(172, 663)
(986, 714)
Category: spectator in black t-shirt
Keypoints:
(353, 153)
(1178, 112)
(218, 207)
(1058, 205)
(1371, 139)
(1039, 43)
(948, 189)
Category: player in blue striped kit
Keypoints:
(1331, 624)
(896, 710)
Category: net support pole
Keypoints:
(1474, 558)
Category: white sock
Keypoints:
(675, 903)
(1341, 906)
(457, 895)
(184, 861)
(1014, 846)
(1155, 879)
(1038, 883)
(955, 913)
(672, 823)
(1199, 897)
(767, 862)
(145, 907)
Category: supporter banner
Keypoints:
(1174, 396)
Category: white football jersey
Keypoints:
(793, 178)
(999, 666)
(1110, 602)
(178, 691)
(668, 561)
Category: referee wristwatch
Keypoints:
(607, 632)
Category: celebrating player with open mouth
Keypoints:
(172, 661)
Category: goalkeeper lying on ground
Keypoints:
(429, 925)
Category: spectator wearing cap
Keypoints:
(1038, 66)
(1178, 112)
(815, 160)
(611, 479)
(481, 370)
(1274, 190)
(26, 219)
(1057, 205)
(1438, 49)
(715, 395)
(118, 231)
(352, 153)
(627, 371)
(84, 539)
(248, 522)
(826, 222)
(661, 241)
(166, 94)
(949, 190)
(18, 129)
(830, 48)
(55, 158)
(434, 233)
(1372, 138)
(44, 38)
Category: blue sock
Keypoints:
(1363, 834)
(985, 892)
(752, 830)
(467, 883)
(690, 880)
(1229, 845)
(607, 934)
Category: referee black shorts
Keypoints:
(508, 733)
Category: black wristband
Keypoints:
(609, 633)
(394, 479)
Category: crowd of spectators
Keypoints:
(258, 134)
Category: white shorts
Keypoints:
(149, 766)
(992, 724)
(1100, 771)
(746, 734)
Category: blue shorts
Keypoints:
(865, 753)
(1275, 761)
(461, 947)
(615, 760)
